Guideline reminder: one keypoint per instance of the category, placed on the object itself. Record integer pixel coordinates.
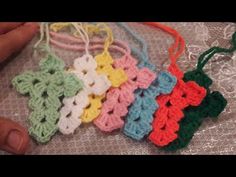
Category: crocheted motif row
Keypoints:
(167, 107)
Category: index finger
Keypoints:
(8, 26)
(16, 39)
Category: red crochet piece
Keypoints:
(170, 112)
(166, 119)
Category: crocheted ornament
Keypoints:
(212, 105)
(93, 109)
(104, 66)
(140, 115)
(105, 62)
(64, 37)
(46, 87)
(141, 112)
(184, 94)
(132, 74)
(119, 99)
(94, 84)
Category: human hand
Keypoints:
(14, 36)
(13, 137)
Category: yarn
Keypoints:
(171, 106)
(104, 66)
(94, 84)
(117, 95)
(119, 99)
(123, 59)
(46, 87)
(104, 60)
(140, 115)
(212, 105)
(119, 123)
(117, 76)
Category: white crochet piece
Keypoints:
(97, 84)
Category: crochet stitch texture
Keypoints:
(46, 87)
(212, 105)
(140, 115)
(91, 103)
(94, 84)
(170, 112)
(119, 99)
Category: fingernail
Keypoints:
(15, 140)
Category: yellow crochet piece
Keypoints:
(104, 62)
(94, 108)
(59, 26)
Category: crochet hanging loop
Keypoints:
(81, 31)
(144, 53)
(178, 47)
(206, 56)
(95, 29)
(83, 35)
(176, 50)
(44, 47)
(213, 104)
(109, 39)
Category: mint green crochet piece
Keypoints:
(24, 83)
(44, 102)
(53, 84)
(46, 88)
(43, 124)
(51, 64)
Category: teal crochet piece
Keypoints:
(46, 88)
(140, 116)
(212, 105)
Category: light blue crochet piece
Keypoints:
(139, 120)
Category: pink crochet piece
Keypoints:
(119, 99)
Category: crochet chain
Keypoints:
(140, 117)
(184, 94)
(212, 105)
(206, 56)
(178, 45)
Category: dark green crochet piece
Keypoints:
(212, 105)
(46, 88)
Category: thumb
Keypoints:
(13, 137)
